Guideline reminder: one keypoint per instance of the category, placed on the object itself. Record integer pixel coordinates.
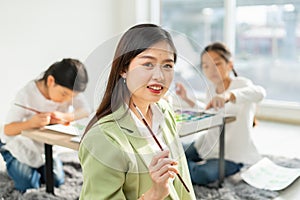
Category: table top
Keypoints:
(191, 127)
(52, 138)
(62, 139)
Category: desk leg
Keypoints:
(49, 169)
(221, 154)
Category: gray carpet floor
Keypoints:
(234, 188)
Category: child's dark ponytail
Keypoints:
(234, 72)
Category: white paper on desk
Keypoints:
(76, 138)
(267, 175)
(75, 128)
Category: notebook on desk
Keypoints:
(75, 128)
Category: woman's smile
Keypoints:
(155, 88)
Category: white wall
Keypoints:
(35, 33)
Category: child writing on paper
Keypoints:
(58, 98)
(235, 95)
(132, 165)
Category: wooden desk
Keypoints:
(188, 128)
(51, 138)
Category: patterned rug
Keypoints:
(234, 188)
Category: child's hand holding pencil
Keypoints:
(44, 118)
(39, 120)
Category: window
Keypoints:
(268, 48)
(267, 40)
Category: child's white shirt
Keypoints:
(239, 146)
(25, 149)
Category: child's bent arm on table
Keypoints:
(36, 121)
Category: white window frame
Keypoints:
(280, 111)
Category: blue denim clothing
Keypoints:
(207, 172)
(1, 144)
(26, 177)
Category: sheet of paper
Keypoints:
(76, 138)
(267, 175)
(75, 128)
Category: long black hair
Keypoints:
(133, 42)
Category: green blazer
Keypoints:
(115, 158)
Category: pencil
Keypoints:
(38, 112)
(157, 142)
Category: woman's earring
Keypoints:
(124, 79)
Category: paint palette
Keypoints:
(188, 115)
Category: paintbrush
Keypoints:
(157, 142)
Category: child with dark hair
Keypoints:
(237, 96)
(58, 98)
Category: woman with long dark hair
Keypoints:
(120, 157)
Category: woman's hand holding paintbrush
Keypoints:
(165, 164)
(161, 168)
(44, 118)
